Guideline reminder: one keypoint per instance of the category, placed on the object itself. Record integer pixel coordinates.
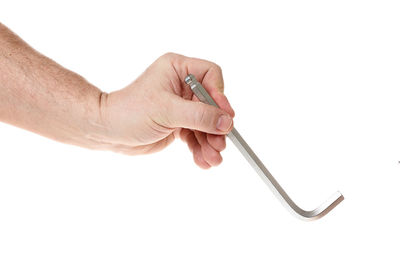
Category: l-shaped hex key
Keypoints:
(259, 167)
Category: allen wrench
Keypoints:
(262, 171)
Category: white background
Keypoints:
(315, 86)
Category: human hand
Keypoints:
(151, 112)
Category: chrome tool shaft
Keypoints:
(259, 167)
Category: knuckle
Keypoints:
(201, 116)
(218, 160)
(218, 68)
(168, 55)
(214, 158)
(171, 55)
(218, 71)
(220, 142)
(205, 117)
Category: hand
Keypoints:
(150, 113)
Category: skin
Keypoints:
(41, 96)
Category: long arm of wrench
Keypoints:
(262, 171)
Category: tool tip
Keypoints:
(189, 79)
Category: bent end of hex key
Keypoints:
(262, 171)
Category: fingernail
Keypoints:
(224, 123)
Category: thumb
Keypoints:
(199, 116)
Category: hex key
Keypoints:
(259, 167)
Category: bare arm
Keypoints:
(41, 96)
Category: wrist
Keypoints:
(98, 127)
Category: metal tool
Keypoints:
(259, 167)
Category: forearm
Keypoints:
(39, 95)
